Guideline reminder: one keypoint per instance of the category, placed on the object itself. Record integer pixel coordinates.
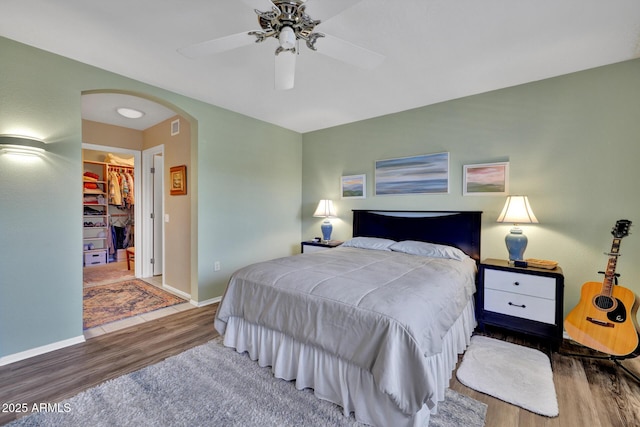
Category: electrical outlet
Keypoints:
(216, 266)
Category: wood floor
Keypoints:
(590, 392)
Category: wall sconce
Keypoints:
(21, 145)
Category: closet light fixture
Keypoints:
(129, 113)
(21, 144)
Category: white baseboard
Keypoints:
(16, 357)
(188, 297)
(177, 292)
(206, 302)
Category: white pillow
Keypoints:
(433, 250)
(375, 243)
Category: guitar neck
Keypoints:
(610, 274)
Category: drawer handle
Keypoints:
(517, 305)
(516, 283)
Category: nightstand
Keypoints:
(313, 246)
(527, 300)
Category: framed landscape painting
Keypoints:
(425, 174)
(488, 179)
(353, 187)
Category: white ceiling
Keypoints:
(102, 107)
(436, 50)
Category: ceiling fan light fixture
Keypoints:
(289, 24)
(129, 113)
(287, 38)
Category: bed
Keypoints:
(376, 325)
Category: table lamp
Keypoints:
(325, 210)
(518, 211)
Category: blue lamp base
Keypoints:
(516, 244)
(326, 228)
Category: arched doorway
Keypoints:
(162, 135)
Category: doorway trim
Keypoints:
(147, 207)
(137, 213)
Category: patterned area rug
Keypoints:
(116, 301)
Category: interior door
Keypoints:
(158, 213)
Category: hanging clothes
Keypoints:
(115, 193)
(121, 188)
(124, 187)
(111, 239)
(128, 237)
(130, 197)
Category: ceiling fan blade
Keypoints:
(348, 52)
(285, 70)
(222, 44)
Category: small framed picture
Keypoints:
(486, 179)
(353, 187)
(178, 176)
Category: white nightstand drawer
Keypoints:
(525, 284)
(519, 305)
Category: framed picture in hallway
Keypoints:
(178, 179)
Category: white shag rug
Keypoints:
(518, 375)
(212, 385)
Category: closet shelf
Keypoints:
(95, 206)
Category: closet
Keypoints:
(108, 210)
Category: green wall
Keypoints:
(573, 144)
(248, 184)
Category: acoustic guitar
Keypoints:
(605, 317)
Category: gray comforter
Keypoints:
(382, 311)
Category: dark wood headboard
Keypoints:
(455, 228)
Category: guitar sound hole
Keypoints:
(604, 302)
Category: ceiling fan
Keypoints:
(288, 23)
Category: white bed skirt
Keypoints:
(341, 382)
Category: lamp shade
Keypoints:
(325, 209)
(517, 210)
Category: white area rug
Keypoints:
(211, 385)
(518, 375)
